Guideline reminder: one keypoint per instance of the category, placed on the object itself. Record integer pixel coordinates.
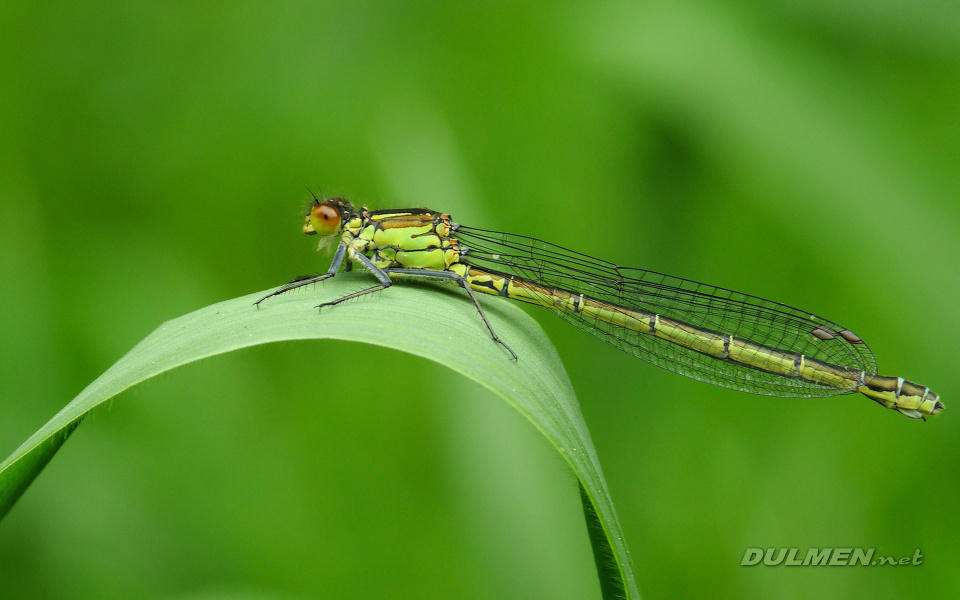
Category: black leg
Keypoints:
(377, 271)
(308, 279)
(375, 288)
(462, 282)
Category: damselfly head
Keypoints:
(325, 217)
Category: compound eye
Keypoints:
(323, 219)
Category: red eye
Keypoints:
(323, 219)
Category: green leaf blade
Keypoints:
(431, 321)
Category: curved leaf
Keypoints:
(536, 384)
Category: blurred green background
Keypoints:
(154, 159)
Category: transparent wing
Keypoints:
(720, 310)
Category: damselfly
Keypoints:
(712, 334)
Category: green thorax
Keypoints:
(415, 238)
